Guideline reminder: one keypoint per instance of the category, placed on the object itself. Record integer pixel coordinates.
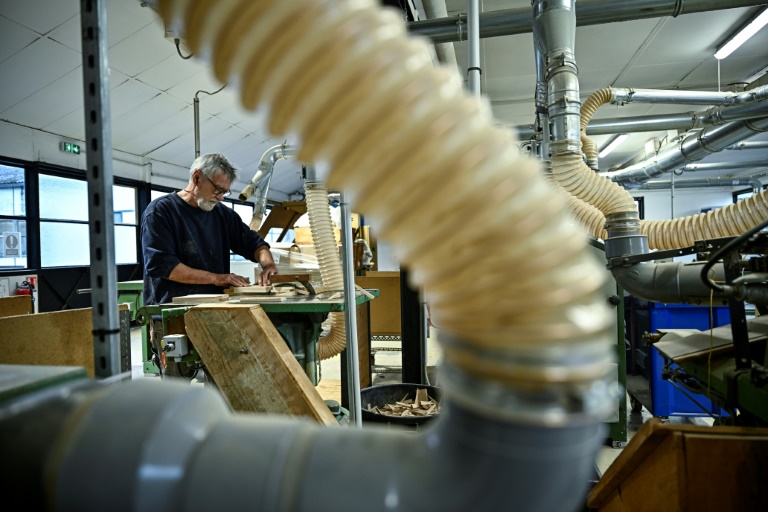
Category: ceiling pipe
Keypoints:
(539, 133)
(756, 185)
(694, 147)
(473, 31)
(433, 9)
(632, 95)
(260, 183)
(718, 166)
(591, 12)
(762, 144)
(682, 121)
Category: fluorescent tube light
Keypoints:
(616, 142)
(743, 35)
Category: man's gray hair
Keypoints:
(212, 163)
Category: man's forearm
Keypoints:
(181, 273)
(264, 256)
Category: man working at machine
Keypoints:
(187, 236)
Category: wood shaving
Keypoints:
(421, 405)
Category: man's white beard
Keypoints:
(206, 204)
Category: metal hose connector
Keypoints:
(424, 161)
(335, 341)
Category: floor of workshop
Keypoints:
(330, 384)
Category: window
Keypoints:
(743, 194)
(64, 231)
(13, 212)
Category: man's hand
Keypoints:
(267, 271)
(225, 280)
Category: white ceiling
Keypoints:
(152, 88)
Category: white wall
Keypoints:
(37, 146)
(659, 203)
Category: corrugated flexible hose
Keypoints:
(730, 220)
(474, 221)
(328, 259)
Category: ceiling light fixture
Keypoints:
(613, 144)
(743, 35)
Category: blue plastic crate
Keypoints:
(666, 399)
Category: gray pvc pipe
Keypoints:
(181, 450)
(591, 12)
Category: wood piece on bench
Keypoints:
(251, 363)
(15, 305)
(200, 298)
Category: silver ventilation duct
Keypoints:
(756, 185)
(259, 185)
(762, 144)
(694, 147)
(591, 12)
(754, 107)
(631, 95)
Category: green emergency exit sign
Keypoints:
(68, 147)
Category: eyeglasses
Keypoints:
(217, 189)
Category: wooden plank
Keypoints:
(737, 485)
(15, 305)
(200, 298)
(251, 363)
(62, 338)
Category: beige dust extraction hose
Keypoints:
(327, 252)
(730, 220)
(474, 221)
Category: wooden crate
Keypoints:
(686, 468)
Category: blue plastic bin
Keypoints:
(666, 399)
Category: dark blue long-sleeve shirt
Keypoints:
(173, 232)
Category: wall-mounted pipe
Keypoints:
(692, 148)
(591, 12)
(259, 185)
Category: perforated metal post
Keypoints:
(98, 138)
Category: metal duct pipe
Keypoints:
(591, 12)
(183, 450)
(541, 129)
(682, 121)
(632, 95)
(717, 166)
(473, 31)
(446, 54)
(762, 144)
(694, 147)
(555, 22)
(260, 182)
(699, 183)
